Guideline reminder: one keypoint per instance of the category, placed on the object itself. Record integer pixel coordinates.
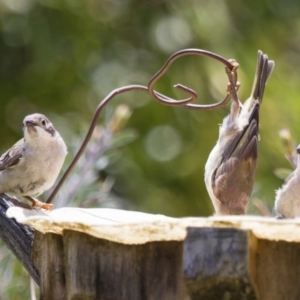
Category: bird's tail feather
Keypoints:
(264, 70)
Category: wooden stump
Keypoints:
(212, 263)
(86, 254)
(79, 266)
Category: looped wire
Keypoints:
(230, 67)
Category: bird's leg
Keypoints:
(38, 204)
(231, 93)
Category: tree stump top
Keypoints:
(129, 227)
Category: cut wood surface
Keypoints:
(130, 227)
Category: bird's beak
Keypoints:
(29, 123)
(29, 126)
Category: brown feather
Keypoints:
(12, 157)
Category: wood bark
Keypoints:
(18, 238)
(276, 270)
(88, 268)
(48, 258)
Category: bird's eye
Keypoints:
(44, 122)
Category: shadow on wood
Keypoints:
(215, 263)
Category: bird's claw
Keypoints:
(38, 204)
(229, 88)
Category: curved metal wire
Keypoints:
(102, 104)
(230, 65)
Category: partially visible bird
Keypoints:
(231, 166)
(32, 165)
(287, 201)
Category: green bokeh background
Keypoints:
(62, 57)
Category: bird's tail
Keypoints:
(264, 69)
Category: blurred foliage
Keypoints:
(62, 57)
(90, 184)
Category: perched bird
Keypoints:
(32, 165)
(231, 165)
(287, 202)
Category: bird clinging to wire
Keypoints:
(231, 166)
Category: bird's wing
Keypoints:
(12, 157)
(237, 147)
(233, 186)
(245, 150)
(234, 177)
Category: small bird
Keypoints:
(231, 166)
(32, 165)
(287, 202)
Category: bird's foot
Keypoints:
(233, 85)
(229, 88)
(38, 204)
